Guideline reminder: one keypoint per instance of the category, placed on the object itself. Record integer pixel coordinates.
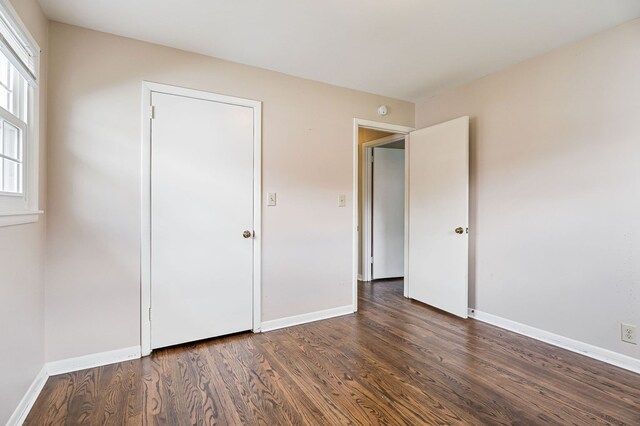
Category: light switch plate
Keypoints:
(342, 200)
(271, 199)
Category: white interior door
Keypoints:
(438, 216)
(201, 202)
(387, 209)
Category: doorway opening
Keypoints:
(387, 140)
(383, 207)
(431, 255)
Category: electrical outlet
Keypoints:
(629, 333)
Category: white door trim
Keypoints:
(385, 127)
(406, 216)
(366, 198)
(145, 238)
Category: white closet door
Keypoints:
(438, 215)
(388, 213)
(201, 202)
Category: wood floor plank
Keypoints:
(330, 384)
(380, 386)
(293, 383)
(588, 384)
(448, 372)
(436, 387)
(395, 362)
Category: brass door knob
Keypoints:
(459, 230)
(246, 234)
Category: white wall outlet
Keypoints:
(271, 199)
(629, 333)
(342, 200)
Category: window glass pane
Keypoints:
(18, 95)
(11, 141)
(4, 71)
(5, 99)
(13, 89)
(12, 176)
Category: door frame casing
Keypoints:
(367, 195)
(145, 239)
(385, 127)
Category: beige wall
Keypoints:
(21, 266)
(555, 188)
(93, 245)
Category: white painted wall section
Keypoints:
(555, 188)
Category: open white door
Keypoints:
(438, 214)
(387, 211)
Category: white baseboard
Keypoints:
(360, 277)
(24, 406)
(586, 349)
(93, 360)
(66, 366)
(305, 318)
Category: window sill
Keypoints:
(19, 218)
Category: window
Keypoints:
(13, 117)
(18, 121)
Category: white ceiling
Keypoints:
(400, 48)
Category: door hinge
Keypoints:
(152, 112)
(149, 314)
(371, 260)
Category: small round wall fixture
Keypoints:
(382, 110)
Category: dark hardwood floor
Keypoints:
(395, 362)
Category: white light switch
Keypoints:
(271, 199)
(342, 200)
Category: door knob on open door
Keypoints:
(459, 230)
(246, 234)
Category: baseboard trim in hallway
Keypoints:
(595, 352)
(306, 318)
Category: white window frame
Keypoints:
(16, 209)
